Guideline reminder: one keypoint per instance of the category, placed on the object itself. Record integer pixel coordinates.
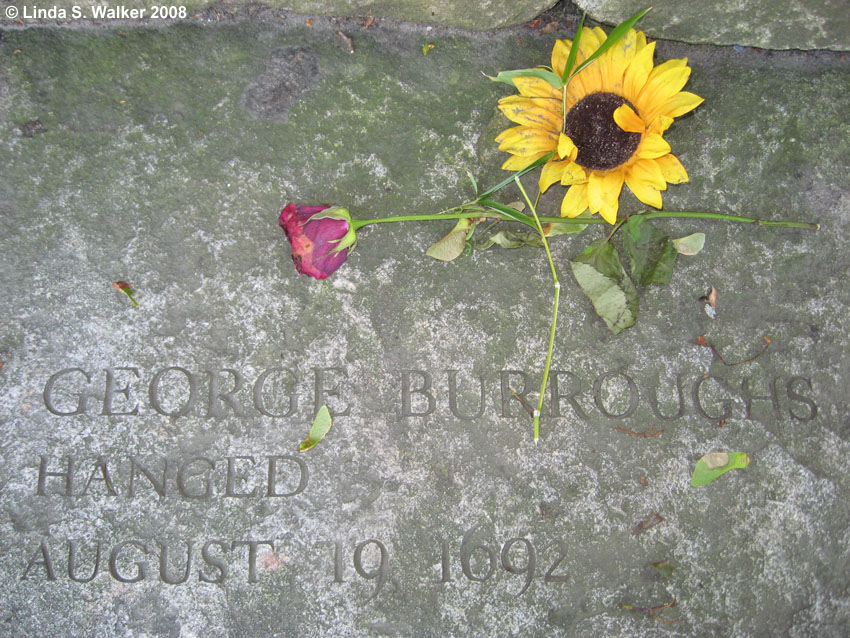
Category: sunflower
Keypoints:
(609, 129)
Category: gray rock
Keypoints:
(768, 24)
(469, 14)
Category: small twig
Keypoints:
(702, 341)
(651, 611)
(646, 434)
(522, 402)
(345, 39)
(650, 521)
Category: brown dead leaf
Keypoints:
(552, 27)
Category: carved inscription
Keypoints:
(175, 391)
(614, 394)
(196, 477)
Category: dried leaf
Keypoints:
(710, 298)
(649, 521)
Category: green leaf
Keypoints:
(452, 245)
(511, 239)
(712, 465)
(652, 253)
(124, 287)
(690, 245)
(320, 427)
(519, 173)
(599, 272)
(507, 77)
(571, 58)
(612, 39)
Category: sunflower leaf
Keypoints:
(507, 77)
(713, 465)
(452, 245)
(571, 58)
(616, 34)
(519, 173)
(601, 276)
(652, 254)
(320, 427)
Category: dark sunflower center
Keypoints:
(602, 145)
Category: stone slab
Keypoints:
(768, 24)
(162, 156)
(469, 14)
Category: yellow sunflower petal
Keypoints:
(560, 53)
(529, 86)
(661, 124)
(603, 190)
(519, 162)
(672, 169)
(575, 201)
(566, 147)
(590, 79)
(526, 112)
(551, 173)
(527, 140)
(667, 65)
(638, 71)
(648, 172)
(659, 89)
(619, 56)
(645, 192)
(573, 174)
(651, 146)
(609, 213)
(681, 103)
(628, 120)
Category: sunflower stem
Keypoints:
(670, 214)
(459, 213)
(557, 284)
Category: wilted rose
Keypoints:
(320, 237)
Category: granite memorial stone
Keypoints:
(150, 479)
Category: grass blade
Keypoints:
(519, 173)
(571, 58)
(619, 31)
(507, 211)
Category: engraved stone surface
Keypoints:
(150, 483)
